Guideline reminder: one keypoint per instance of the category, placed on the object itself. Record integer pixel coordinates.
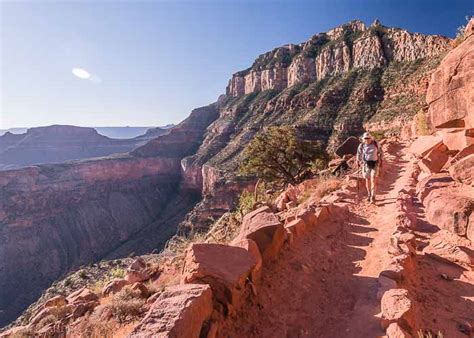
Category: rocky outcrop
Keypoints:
(333, 60)
(62, 143)
(451, 93)
(179, 311)
(352, 45)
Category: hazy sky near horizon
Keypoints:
(137, 63)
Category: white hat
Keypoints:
(367, 135)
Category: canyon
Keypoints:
(57, 217)
(60, 143)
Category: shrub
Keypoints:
(127, 305)
(421, 123)
(460, 32)
(378, 134)
(246, 202)
(118, 272)
(277, 155)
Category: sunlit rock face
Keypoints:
(350, 46)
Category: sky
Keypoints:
(149, 63)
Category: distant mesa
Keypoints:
(59, 143)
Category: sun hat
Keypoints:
(367, 135)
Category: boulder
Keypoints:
(114, 286)
(450, 210)
(83, 295)
(281, 201)
(402, 243)
(435, 160)
(225, 268)
(56, 301)
(322, 213)
(308, 216)
(463, 170)
(263, 227)
(252, 248)
(296, 227)
(138, 286)
(461, 154)
(80, 309)
(432, 182)
(458, 139)
(349, 146)
(137, 271)
(396, 308)
(394, 330)
(138, 264)
(446, 246)
(179, 311)
(424, 144)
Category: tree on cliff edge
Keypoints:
(278, 155)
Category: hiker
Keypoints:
(370, 156)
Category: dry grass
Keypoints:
(127, 305)
(94, 327)
(428, 334)
(320, 188)
(97, 287)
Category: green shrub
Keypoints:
(278, 155)
(118, 272)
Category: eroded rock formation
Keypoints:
(352, 45)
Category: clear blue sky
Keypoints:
(152, 62)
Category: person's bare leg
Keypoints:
(368, 185)
(373, 186)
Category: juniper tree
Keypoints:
(278, 155)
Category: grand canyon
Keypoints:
(144, 214)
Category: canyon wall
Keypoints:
(56, 217)
(343, 48)
(337, 84)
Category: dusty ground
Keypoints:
(326, 284)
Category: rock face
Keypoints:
(179, 311)
(225, 268)
(54, 218)
(352, 45)
(62, 143)
(451, 92)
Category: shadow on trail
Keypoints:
(316, 286)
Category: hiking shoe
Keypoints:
(369, 198)
(372, 199)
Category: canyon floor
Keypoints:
(327, 285)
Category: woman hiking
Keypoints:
(369, 156)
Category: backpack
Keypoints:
(370, 163)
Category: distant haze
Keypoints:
(112, 132)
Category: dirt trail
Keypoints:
(326, 284)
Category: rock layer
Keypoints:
(352, 45)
